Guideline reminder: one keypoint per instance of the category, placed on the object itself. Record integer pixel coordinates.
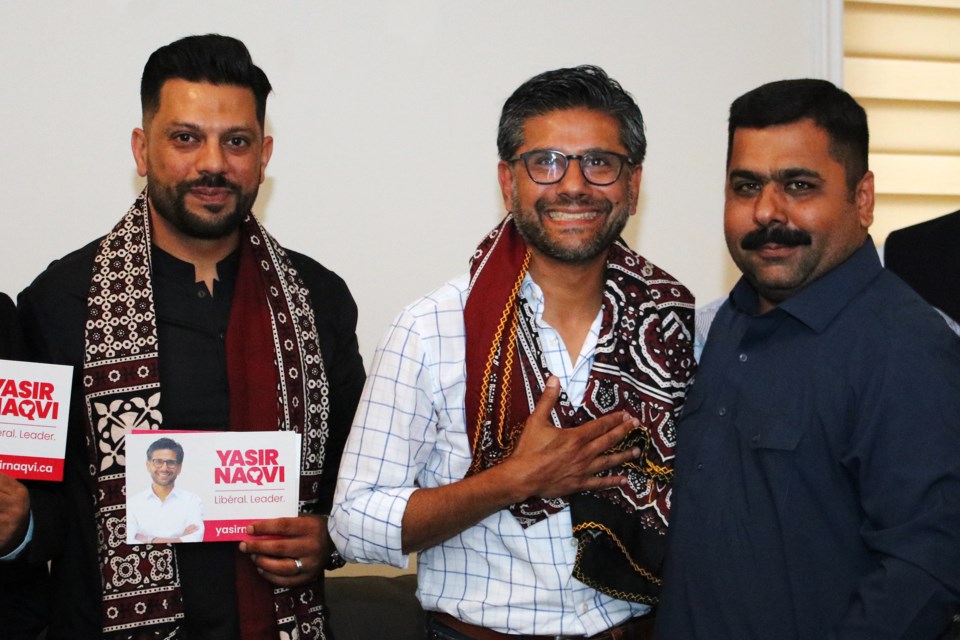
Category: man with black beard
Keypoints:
(818, 457)
(534, 479)
(189, 315)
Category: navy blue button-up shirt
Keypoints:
(817, 490)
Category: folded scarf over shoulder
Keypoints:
(643, 363)
(276, 381)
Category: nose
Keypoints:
(768, 207)
(211, 158)
(574, 182)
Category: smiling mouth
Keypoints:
(568, 216)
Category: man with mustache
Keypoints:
(517, 430)
(818, 457)
(189, 315)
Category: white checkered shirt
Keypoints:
(410, 432)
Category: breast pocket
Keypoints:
(771, 448)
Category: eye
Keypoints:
(745, 187)
(184, 137)
(598, 160)
(238, 142)
(546, 159)
(798, 187)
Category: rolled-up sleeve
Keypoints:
(393, 434)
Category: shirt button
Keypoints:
(699, 466)
(573, 542)
(584, 607)
(755, 439)
(722, 411)
(743, 357)
(201, 293)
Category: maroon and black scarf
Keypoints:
(276, 382)
(643, 363)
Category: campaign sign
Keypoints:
(34, 410)
(203, 486)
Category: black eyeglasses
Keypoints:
(160, 463)
(546, 166)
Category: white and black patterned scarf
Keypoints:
(141, 586)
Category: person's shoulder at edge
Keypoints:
(929, 228)
(70, 274)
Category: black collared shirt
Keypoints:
(817, 489)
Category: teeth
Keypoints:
(563, 216)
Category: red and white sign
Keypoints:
(204, 486)
(34, 411)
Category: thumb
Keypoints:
(547, 401)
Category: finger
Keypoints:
(604, 482)
(607, 462)
(606, 432)
(274, 527)
(277, 548)
(547, 401)
(285, 567)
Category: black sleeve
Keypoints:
(336, 317)
(52, 313)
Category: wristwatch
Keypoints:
(336, 560)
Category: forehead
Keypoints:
(206, 103)
(798, 144)
(164, 453)
(572, 130)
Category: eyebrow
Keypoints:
(781, 175)
(190, 126)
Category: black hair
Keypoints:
(212, 58)
(586, 87)
(830, 108)
(166, 444)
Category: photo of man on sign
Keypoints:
(164, 513)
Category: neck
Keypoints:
(572, 296)
(202, 253)
(162, 492)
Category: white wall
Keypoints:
(384, 116)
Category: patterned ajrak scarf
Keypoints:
(643, 363)
(141, 586)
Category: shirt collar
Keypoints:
(817, 304)
(172, 267)
(533, 294)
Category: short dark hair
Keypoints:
(586, 86)
(830, 108)
(210, 58)
(166, 444)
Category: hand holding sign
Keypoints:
(304, 539)
(14, 513)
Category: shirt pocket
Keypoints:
(770, 458)
(760, 429)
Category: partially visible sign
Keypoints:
(34, 411)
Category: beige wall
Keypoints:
(384, 116)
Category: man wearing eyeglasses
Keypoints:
(164, 513)
(517, 430)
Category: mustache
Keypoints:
(543, 205)
(783, 236)
(209, 181)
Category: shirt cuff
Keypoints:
(13, 555)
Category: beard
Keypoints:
(531, 228)
(170, 204)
